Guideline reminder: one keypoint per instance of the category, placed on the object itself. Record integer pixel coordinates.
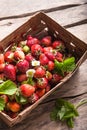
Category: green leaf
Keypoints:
(66, 66)
(53, 114)
(2, 104)
(70, 122)
(64, 111)
(8, 87)
(21, 99)
(69, 64)
(58, 67)
(61, 113)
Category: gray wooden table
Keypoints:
(72, 14)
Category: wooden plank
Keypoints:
(39, 119)
(79, 31)
(15, 7)
(69, 17)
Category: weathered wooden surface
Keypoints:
(72, 14)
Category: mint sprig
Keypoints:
(65, 66)
(66, 111)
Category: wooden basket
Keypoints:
(41, 25)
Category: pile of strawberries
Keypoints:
(30, 65)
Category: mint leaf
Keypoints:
(2, 104)
(70, 122)
(69, 64)
(8, 87)
(64, 111)
(53, 114)
(66, 66)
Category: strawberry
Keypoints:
(48, 49)
(27, 90)
(48, 87)
(59, 45)
(46, 41)
(8, 56)
(43, 59)
(21, 77)
(10, 72)
(13, 106)
(33, 98)
(1, 58)
(2, 67)
(31, 41)
(23, 66)
(42, 82)
(36, 50)
(50, 65)
(56, 78)
(40, 72)
(40, 92)
(29, 57)
(5, 97)
(59, 56)
(50, 56)
(48, 75)
(19, 55)
(26, 49)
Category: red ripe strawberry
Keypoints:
(13, 106)
(33, 98)
(23, 66)
(59, 56)
(36, 50)
(29, 37)
(29, 57)
(27, 90)
(43, 59)
(48, 75)
(10, 72)
(39, 72)
(31, 41)
(56, 78)
(46, 41)
(40, 92)
(1, 58)
(50, 56)
(47, 49)
(2, 67)
(21, 77)
(58, 44)
(42, 82)
(48, 87)
(19, 55)
(8, 56)
(50, 65)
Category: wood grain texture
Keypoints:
(11, 8)
(72, 14)
(69, 17)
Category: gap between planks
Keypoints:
(42, 10)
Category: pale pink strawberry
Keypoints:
(19, 55)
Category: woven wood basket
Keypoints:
(41, 25)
